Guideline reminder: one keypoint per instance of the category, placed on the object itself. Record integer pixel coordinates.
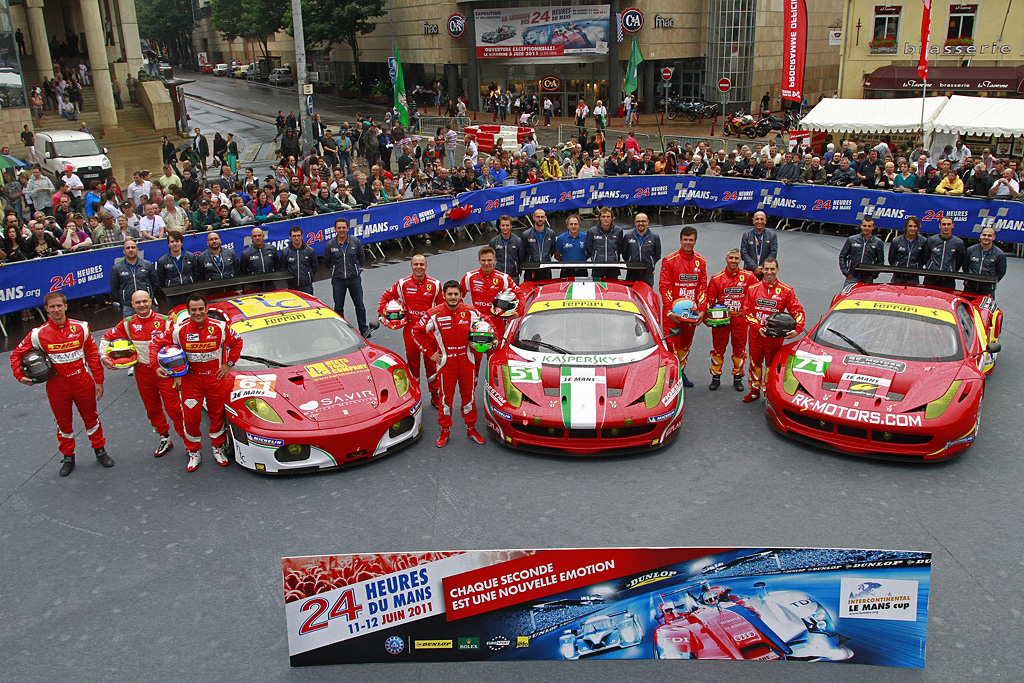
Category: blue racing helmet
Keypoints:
(685, 309)
(172, 360)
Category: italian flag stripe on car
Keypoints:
(581, 291)
(384, 362)
(582, 396)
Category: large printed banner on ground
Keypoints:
(802, 604)
(22, 285)
(508, 32)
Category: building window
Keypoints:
(886, 30)
(12, 86)
(961, 25)
(730, 48)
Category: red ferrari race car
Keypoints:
(309, 393)
(487, 135)
(892, 370)
(585, 370)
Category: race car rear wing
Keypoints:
(546, 271)
(280, 279)
(871, 269)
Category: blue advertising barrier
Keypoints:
(22, 285)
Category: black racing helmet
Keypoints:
(779, 324)
(37, 366)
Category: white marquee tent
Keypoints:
(874, 116)
(981, 116)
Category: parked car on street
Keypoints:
(221, 70)
(282, 76)
(56, 149)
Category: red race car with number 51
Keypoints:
(892, 370)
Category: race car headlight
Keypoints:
(937, 407)
(401, 379)
(789, 381)
(513, 396)
(653, 396)
(567, 647)
(820, 622)
(627, 633)
(262, 410)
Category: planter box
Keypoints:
(883, 50)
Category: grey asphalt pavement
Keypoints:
(147, 572)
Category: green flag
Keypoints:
(631, 69)
(400, 101)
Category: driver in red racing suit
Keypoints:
(158, 394)
(763, 300)
(73, 352)
(212, 348)
(419, 293)
(684, 275)
(443, 335)
(483, 285)
(728, 288)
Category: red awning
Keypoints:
(942, 79)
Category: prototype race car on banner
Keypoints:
(892, 370)
(585, 369)
(308, 392)
(601, 633)
(702, 621)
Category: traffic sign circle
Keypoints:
(456, 25)
(666, 73)
(309, 104)
(724, 85)
(632, 20)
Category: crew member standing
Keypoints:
(176, 267)
(211, 348)
(944, 251)
(419, 293)
(300, 260)
(604, 243)
(539, 240)
(864, 247)
(684, 275)
(344, 257)
(766, 298)
(158, 394)
(483, 285)
(908, 251)
(571, 247)
(258, 257)
(131, 274)
(508, 248)
(443, 336)
(984, 258)
(758, 244)
(217, 262)
(728, 288)
(73, 352)
(643, 246)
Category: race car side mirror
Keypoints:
(374, 324)
(994, 347)
(672, 332)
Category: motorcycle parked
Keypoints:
(769, 122)
(741, 123)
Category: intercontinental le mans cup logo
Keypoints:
(394, 645)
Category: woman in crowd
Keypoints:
(74, 239)
(904, 180)
(325, 202)
(240, 213)
(304, 198)
(220, 149)
(264, 208)
(379, 195)
(231, 154)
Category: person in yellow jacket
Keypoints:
(550, 169)
(951, 184)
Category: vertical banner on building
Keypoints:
(926, 39)
(798, 604)
(794, 50)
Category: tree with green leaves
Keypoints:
(253, 19)
(171, 23)
(332, 22)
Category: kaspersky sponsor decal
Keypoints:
(804, 402)
(540, 358)
(649, 577)
(582, 396)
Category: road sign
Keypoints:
(632, 20)
(307, 88)
(313, 76)
(456, 25)
(392, 69)
(666, 73)
(309, 104)
(724, 85)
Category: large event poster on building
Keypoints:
(772, 604)
(542, 31)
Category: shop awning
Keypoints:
(982, 116)
(873, 116)
(963, 79)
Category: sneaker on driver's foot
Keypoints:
(164, 445)
(475, 437)
(194, 459)
(219, 456)
(66, 465)
(752, 396)
(443, 438)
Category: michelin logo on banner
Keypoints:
(878, 598)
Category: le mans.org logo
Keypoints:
(394, 645)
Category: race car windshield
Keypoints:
(595, 625)
(298, 343)
(902, 336)
(584, 332)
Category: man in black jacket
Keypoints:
(258, 257)
(344, 257)
(216, 263)
(300, 260)
(202, 148)
(362, 192)
(176, 267)
(131, 274)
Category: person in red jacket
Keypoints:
(212, 348)
(483, 285)
(74, 354)
(443, 336)
(419, 293)
(766, 298)
(729, 288)
(684, 275)
(158, 394)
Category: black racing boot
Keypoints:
(716, 381)
(737, 382)
(66, 465)
(101, 455)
